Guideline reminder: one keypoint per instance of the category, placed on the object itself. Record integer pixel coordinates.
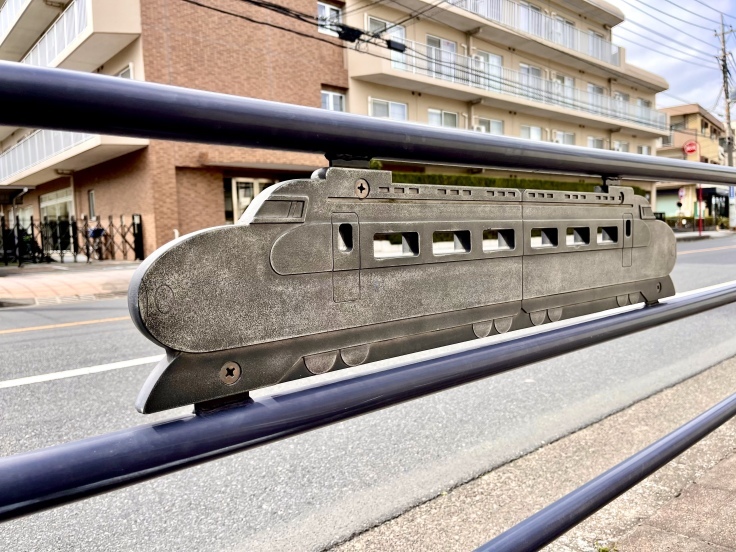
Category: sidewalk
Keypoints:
(48, 283)
(689, 505)
(692, 236)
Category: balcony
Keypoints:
(87, 34)
(446, 74)
(37, 158)
(526, 20)
(21, 23)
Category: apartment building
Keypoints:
(536, 70)
(176, 187)
(695, 135)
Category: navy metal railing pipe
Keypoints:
(53, 476)
(559, 517)
(70, 100)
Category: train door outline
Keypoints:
(345, 257)
(628, 239)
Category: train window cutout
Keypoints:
(396, 244)
(346, 268)
(578, 236)
(544, 237)
(447, 243)
(498, 239)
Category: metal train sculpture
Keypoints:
(347, 268)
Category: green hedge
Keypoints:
(489, 182)
(692, 222)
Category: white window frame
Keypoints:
(331, 97)
(594, 140)
(530, 130)
(644, 150)
(129, 69)
(489, 126)
(620, 145)
(562, 137)
(326, 19)
(389, 105)
(443, 116)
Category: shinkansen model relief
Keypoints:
(347, 268)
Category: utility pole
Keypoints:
(724, 70)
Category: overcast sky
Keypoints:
(687, 46)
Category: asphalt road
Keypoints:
(316, 489)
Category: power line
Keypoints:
(668, 15)
(668, 37)
(268, 24)
(416, 15)
(672, 50)
(516, 88)
(361, 8)
(679, 99)
(715, 10)
(694, 13)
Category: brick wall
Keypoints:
(186, 45)
(200, 199)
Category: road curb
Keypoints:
(58, 299)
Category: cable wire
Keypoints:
(649, 48)
(668, 37)
(715, 10)
(694, 13)
(668, 15)
(520, 89)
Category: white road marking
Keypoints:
(80, 371)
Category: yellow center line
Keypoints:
(706, 250)
(64, 325)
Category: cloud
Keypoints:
(665, 38)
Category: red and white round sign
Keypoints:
(690, 147)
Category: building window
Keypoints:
(644, 150)
(531, 132)
(56, 205)
(595, 44)
(446, 119)
(333, 101)
(126, 73)
(530, 18)
(564, 32)
(239, 193)
(620, 146)
(567, 138)
(491, 126)
(91, 199)
(388, 110)
(328, 17)
(597, 143)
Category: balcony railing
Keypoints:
(528, 20)
(8, 14)
(65, 29)
(441, 64)
(37, 148)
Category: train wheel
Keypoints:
(554, 314)
(483, 329)
(538, 317)
(503, 324)
(354, 356)
(321, 363)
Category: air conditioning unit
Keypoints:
(479, 128)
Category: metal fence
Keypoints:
(51, 477)
(49, 240)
